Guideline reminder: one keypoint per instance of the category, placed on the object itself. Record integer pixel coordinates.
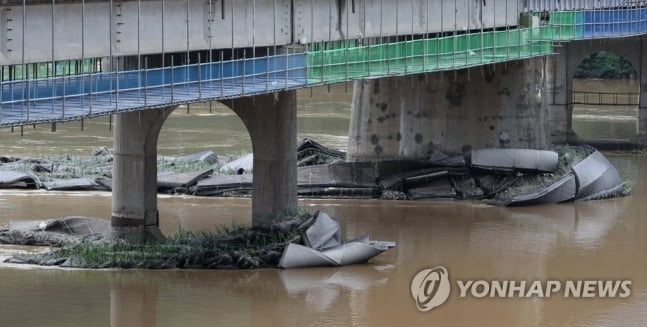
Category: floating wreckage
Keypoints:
(324, 246)
(515, 159)
(17, 179)
(590, 179)
(289, 242)
(502, 176)
(55, 232)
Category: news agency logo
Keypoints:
(430, 288)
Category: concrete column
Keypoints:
(559, 86)
(502, 105)
(272, 124)
(134, 173)
(642, 107)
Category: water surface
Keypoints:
(591, 240)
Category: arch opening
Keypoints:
(605, 97)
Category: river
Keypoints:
(606, 122)
(598, 240)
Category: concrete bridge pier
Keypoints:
(135, 217)
(501, 105)
(641, 137)
(271, 121)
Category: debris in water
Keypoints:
(324, 246)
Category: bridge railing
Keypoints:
(68, 97)
(606, 98)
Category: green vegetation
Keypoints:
(605, 65)
(233, 247)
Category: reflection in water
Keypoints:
(132, 305)
(322, 286)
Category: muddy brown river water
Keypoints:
(598, 240)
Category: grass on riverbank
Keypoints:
(232, 247)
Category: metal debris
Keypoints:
(324, 246)
(515, 159)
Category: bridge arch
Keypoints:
(562, 69)
(605, 86)
(271, 121)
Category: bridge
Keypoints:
(429, 75)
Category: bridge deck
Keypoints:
(74, 97)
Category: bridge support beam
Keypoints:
(412, 116)
(641, 137)
(135, 217)
(272, 124)
(560, 87)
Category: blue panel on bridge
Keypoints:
(68, 98)
(615, 22)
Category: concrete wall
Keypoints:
(409, 117)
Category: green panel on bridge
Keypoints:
(425, 55)
(565, 25)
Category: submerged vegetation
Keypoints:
(233, 247)
(97, 165)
